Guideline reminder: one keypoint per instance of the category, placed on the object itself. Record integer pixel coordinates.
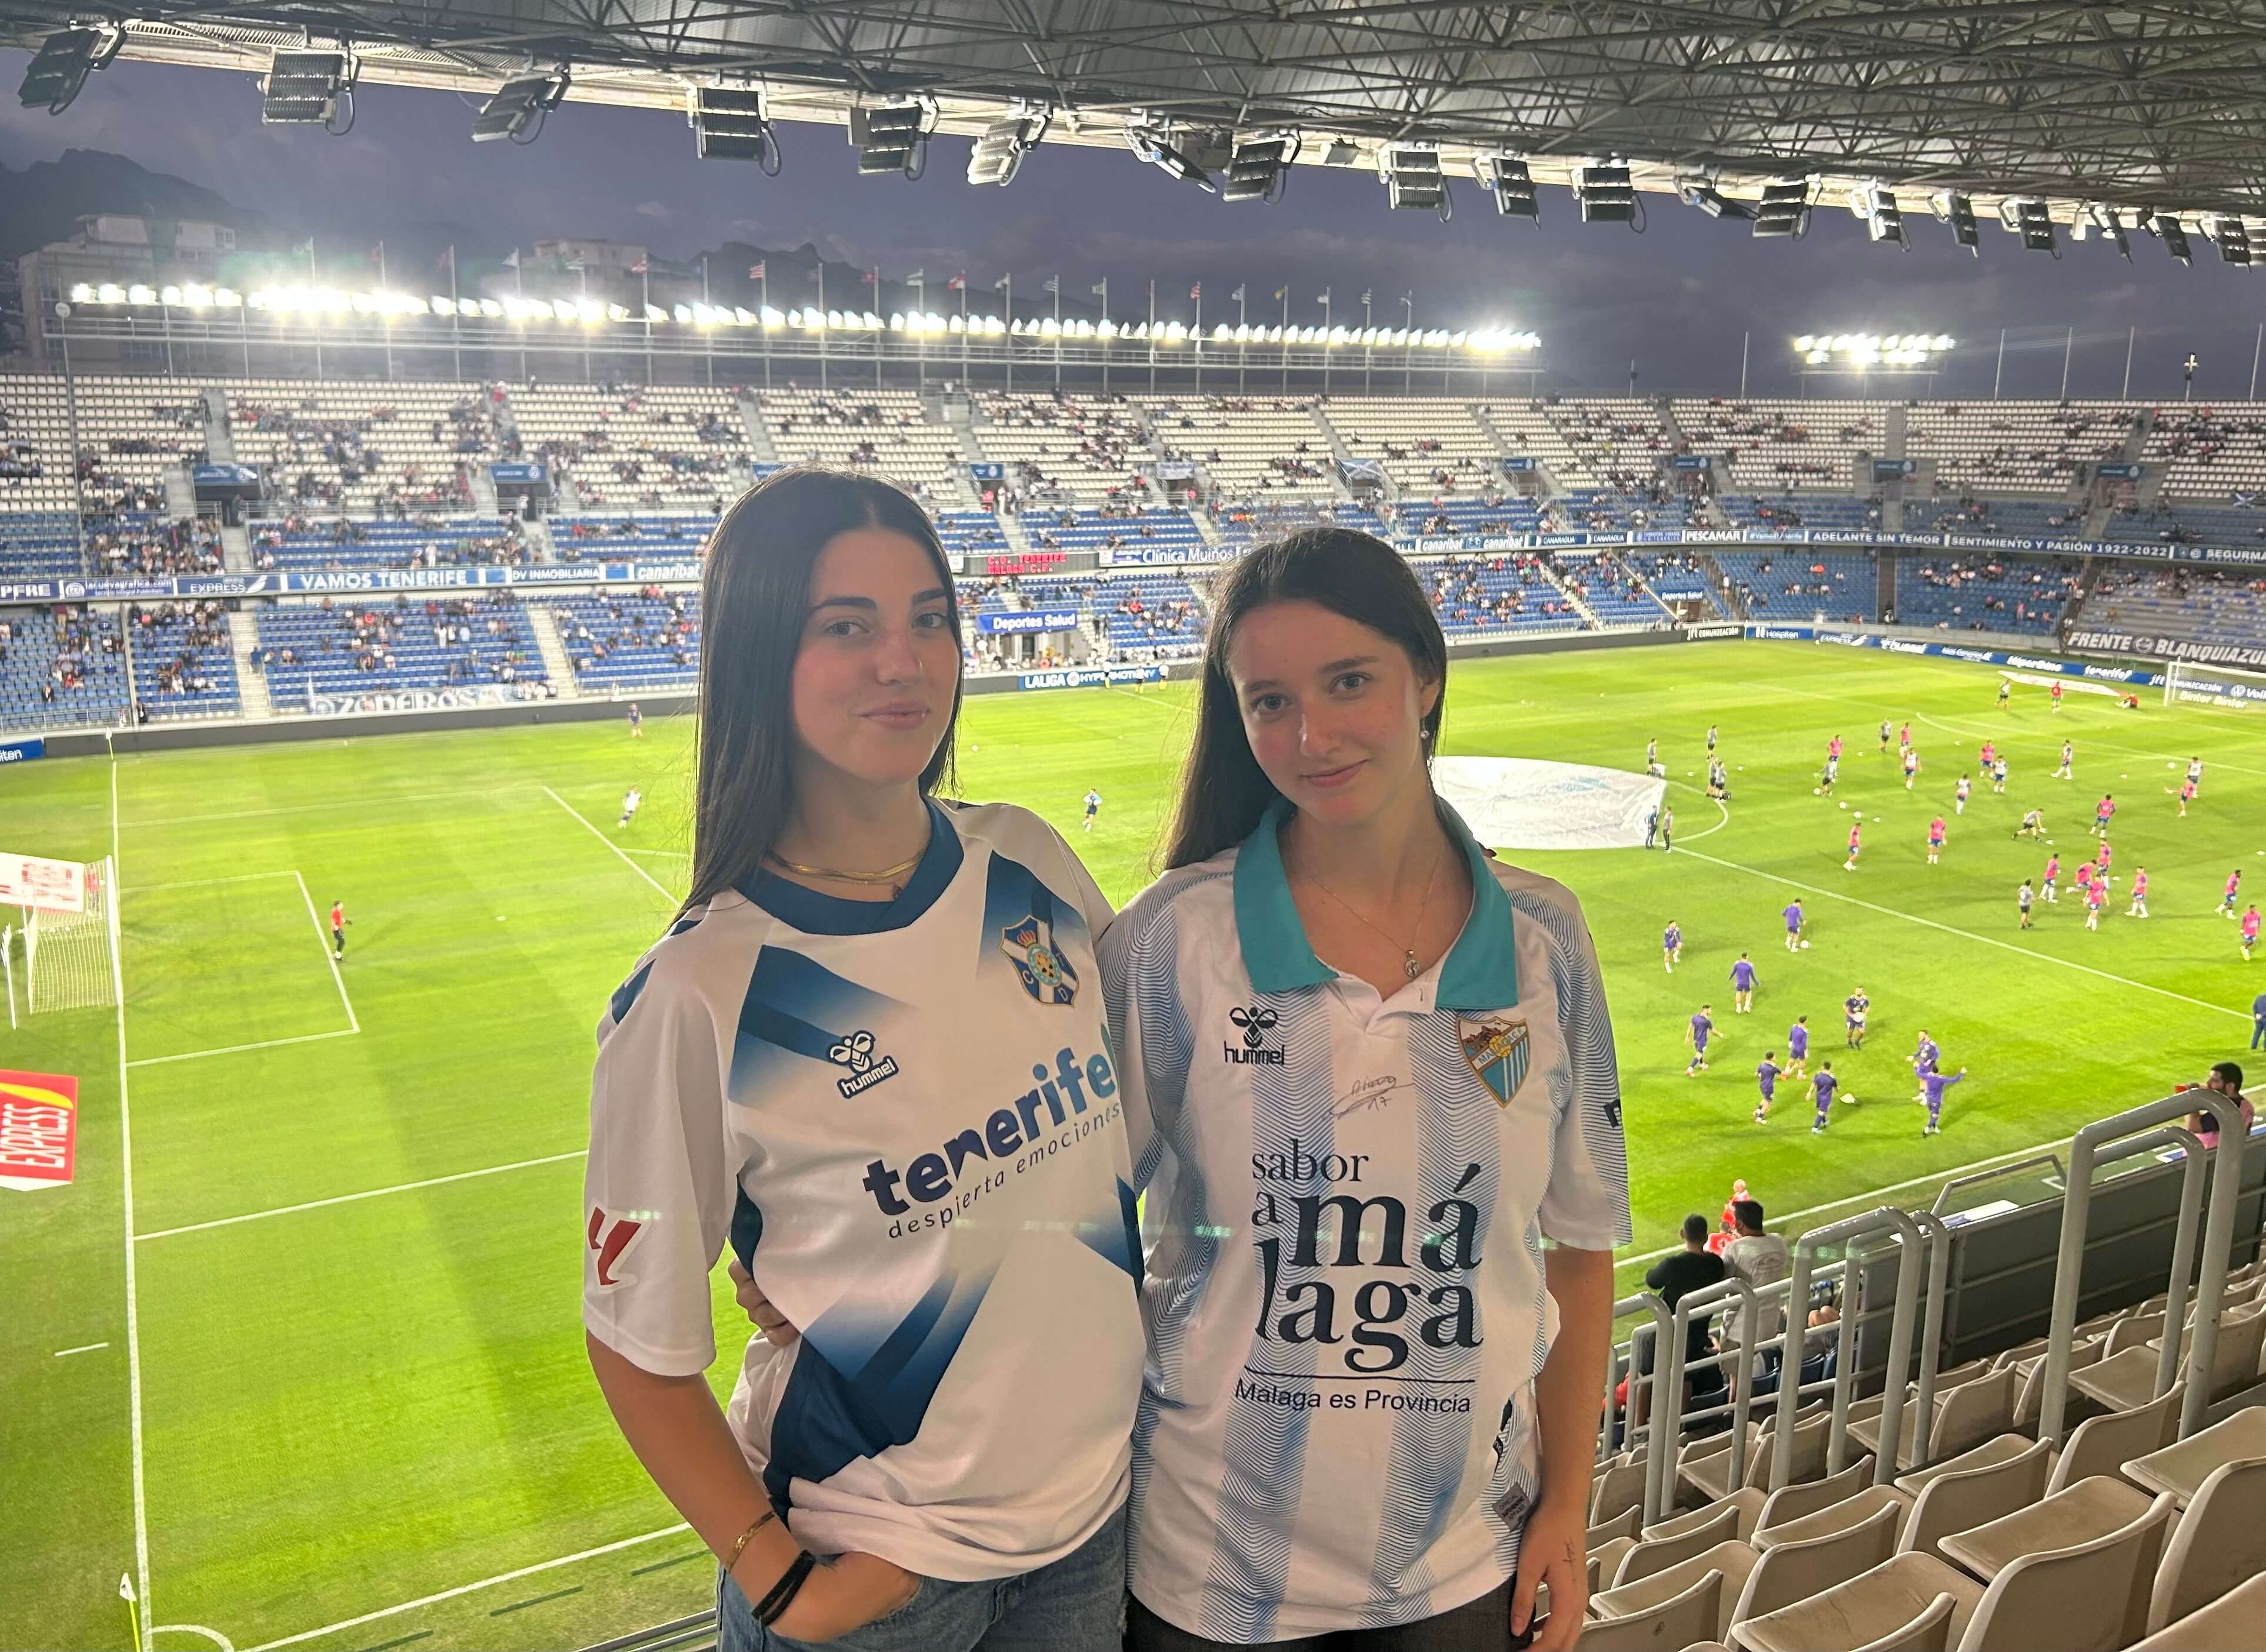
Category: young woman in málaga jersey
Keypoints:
(1381, 1074)
(870, 1055)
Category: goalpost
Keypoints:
(2227, 686)
(68, 956)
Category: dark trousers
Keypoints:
(1483, 1626)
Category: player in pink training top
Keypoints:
(1833, 747)
(2139, 907)
(1849, 865)
(2187, 796)
(2101, 859)
(2249, 931)
(2096, 897)
(2233, 891)
(2051, 891)
(2101, 812)
(1934, 840)
(1988, 755)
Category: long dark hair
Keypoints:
(754, 597)
(1223, 789)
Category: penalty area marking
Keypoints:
(613, 848)
(354, 1024)
(84, 1348)
(238, 1049)
(213, 1635)
(468, 1589)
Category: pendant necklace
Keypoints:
(1408, 965)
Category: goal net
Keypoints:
(70, 958)
(2227, 687)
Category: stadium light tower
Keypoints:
(892, 137)
(306, 87)
(2031, 218)
(1259, 166)
(1701, 193)
(1784, 210)
(2231, 236)
(1607, 194)
(1508, 180)
(523, 101)
(59, 68)
(2167, 229)
(1884, 221)
(999, 153)
(2094, 216)
(1958, 211)
(1413, 180)
(732, 123)
(1864, 353)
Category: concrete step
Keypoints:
(236, 548)
(251, 681)
(556, 665)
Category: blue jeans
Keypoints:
(1076, 1604)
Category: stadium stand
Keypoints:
(2015, 447)
(427, 541)
(2209, 453)
(1975, 593)
(35, 446)
(1621, 440)
(619, 642)
(884, 431)
(1426, 517)
(144, 544)
(35, 544)
(1529, 432)
(1796, 582)
(1429, 448)
(1616, 509)
(1086, 448)
(1495, 592)
(130, 432)
(1152, 533)
(1676, 578)
(1139, 617)
(61, 668)
(364, 450)
(1612, 592)
(2178, 524)
(390, 647)
(183, 665)
(1254, 447)
(578, 538)
(2021, 519)
(1777, 447)
(662, 448)
(1802, 510)
(2193, 604)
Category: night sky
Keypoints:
(1677, 299)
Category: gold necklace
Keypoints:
(1408, 965)
(887, 874)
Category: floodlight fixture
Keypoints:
(1605, 192)
(2030, 218)
(1958, 211)
(1884, 221)
(2168, 230)
(1508, 180)
(1154, 144)
(2109, 221)
(1784, 210)
(999, 153)
(1702, 193)
(1259, 166)
(1341, 152)
(734, 123)
(304, 87)
(59, 68)
(522, 102)
(892, 137)
(2232, 237)
(1413, 181)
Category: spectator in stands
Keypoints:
(1675, 1277)
(2225, 1080)
(1760, 1259)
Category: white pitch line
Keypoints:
(213, 1635)
(2092, 741)
(671, 854)
(329, 956)
(356, 1198)
(467, 1588)
(363, 804)
(85, 1348)
(238, 1049)
(199, 883)
(125, 1184)
(613, 846)
(1968, 935)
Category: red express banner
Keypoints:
(39, 1130)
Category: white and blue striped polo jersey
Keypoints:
(906, 1119)
(1346, 1204)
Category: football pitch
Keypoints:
(299, 1351)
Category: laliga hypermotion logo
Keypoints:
(611, 1237)
(1046, 974)
(855, 1053)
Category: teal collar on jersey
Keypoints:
(1481, 972)
(816, 914)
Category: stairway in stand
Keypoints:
(556, 665)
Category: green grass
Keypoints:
(354, 1406)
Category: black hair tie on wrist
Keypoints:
(783, 1591)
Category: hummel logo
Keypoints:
(1255, 1023)
(866, 1069)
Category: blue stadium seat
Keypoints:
(1797, 582)
(85, 648)
(183, 667)
(1974, 593)
(38, 545)
(314, 647)
(621, 640)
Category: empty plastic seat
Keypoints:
(2229, 1622)
(1746, 1502)
(1659, 1553)
(2125, 1381)
(1964, 1416)
(1835, 1518)
(1734, 1561)
(2219, 1541)
(1794, 1571)
(2101, 1444)
(1673, 1624)
(2089, 1509)
(1623, 1525)
(1867, 1609)
(1957, 1502)
(1791, 1502)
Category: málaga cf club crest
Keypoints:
(1046, 976)
(1497, 1050)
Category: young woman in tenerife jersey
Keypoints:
(1381, 1076)
(870, 1054)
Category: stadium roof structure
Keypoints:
(2141, 106)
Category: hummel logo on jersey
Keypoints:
(1256, 1022)
(611, 1237)
(867, 1070)
(1046, 973)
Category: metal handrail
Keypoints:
(2192, 1172)
(1900, 1327)
(1643, 1375)
(1660, 1467)
(2211, 1286)
(1992, 1175)
(1937, 1234)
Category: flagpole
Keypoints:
(582, 291)
(645, 289)
(519, 290)
(763, 300)
(876, 275)
(1368, 344)
(312, 283)
(1007, 286)
(1242, 335)
(132, 1608)
(1282, 345)
(385, 318)
(1106, 343)
(918, 281)
(1058, 358)
(821, 321)
(1326, 343)
(707, 342)
(455, 338)
(1198, 336)
(1152, 336)
(1408, 351)
(963, 333)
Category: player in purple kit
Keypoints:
(1823, 1088)
(1793, 916)
(1671, 945)
(1767, 1071)
(1696, 1036)
(1797, 1047)
(1924, 1059)
(1743, 985)
(2139, 907)
(1933, 1085)
(2068, 757)
(1853, 1009)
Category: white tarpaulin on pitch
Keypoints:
(1517, 803)
(26, 880)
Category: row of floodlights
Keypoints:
(332, 300)
(1872, 349)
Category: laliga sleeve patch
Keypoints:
(612, 1237)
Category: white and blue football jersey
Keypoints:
(1346, 1204)
(904, 1117)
